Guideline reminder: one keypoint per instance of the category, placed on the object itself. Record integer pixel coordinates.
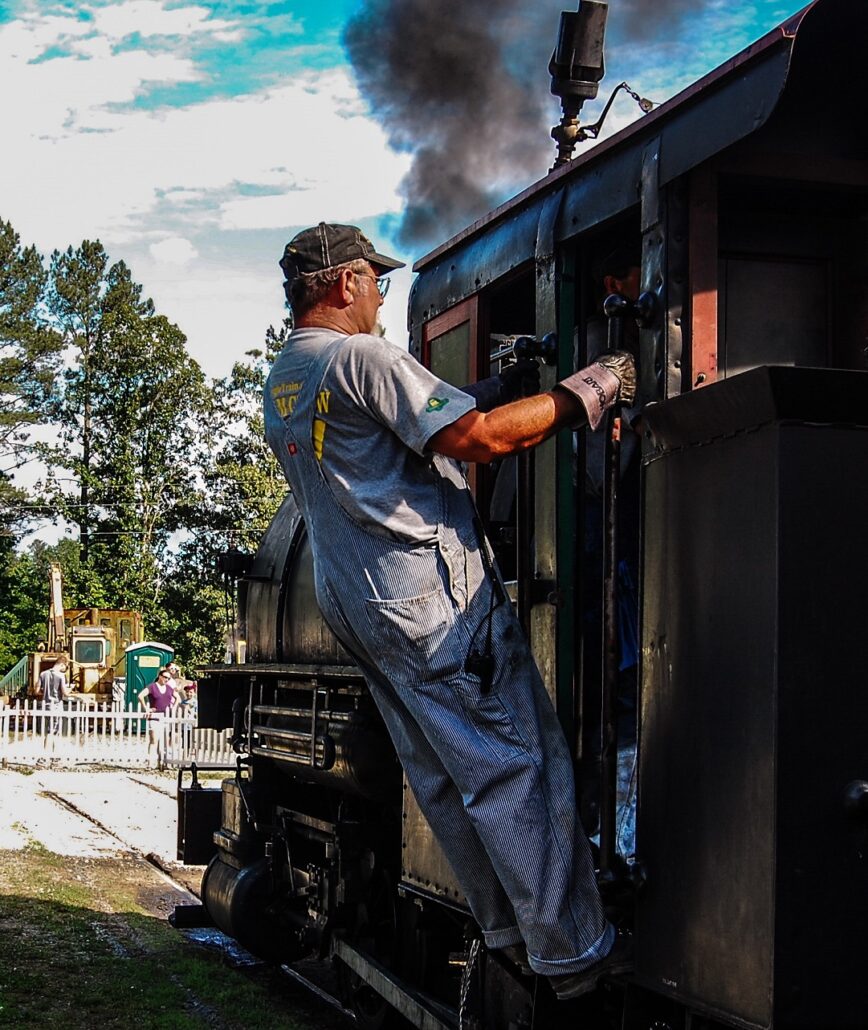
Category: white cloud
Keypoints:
(174, 250)
(223, 312)
(226, 306)
(152, 18)
(195, 197)
(29, 38)
(182, 194)
(313, 161)
(68, 95)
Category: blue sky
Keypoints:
(195, 138)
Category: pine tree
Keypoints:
(130, 413)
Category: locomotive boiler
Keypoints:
(745, 202)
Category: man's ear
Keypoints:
(342, 288)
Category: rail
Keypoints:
(72, 732)
(15, 681)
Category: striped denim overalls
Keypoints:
(491, 771)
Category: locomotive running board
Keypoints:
(422, 1012)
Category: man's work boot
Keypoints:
(617, 962)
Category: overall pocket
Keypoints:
(493, 721)
(411, 638)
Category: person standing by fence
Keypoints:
(158, 698)
(52, 691)
(177, 683)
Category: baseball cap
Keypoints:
(326, 245)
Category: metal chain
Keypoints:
(643, 102)
(593, 131)
(466, 978)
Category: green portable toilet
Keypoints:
(144, 661)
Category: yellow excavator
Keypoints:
(92, 642)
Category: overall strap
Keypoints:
(300, 422)
(313, 376)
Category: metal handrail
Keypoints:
(15, 681)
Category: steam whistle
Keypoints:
(576, 68)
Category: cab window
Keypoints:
(88, 652)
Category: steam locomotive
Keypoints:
(746, 197)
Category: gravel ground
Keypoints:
(135, 812)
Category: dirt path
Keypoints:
(84, 940)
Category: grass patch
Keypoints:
(78, 949)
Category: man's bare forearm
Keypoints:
(510, 429)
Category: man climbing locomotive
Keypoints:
(369, 441)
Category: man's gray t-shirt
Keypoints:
(377, 408)
(51, 683)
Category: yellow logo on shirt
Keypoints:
(285, 397)
(436, 403)
(318, 436)
(323, 399)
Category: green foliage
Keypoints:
(243, 488)
(159, 471)
(194, 606)
(244, 478)
(129, 411)
(23, 616)
(29, 358)
(24, 593)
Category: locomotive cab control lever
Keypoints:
(545, 348)
(612, 871)
(616, 306)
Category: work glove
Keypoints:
(520, 379)
(610, 379)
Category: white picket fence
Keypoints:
(76, 733)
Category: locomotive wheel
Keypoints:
(375, 933)
(372, 1011)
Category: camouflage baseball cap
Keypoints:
(325, 246)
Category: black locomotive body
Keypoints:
(747, 198)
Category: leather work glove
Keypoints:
(518, 380)
(611, 378)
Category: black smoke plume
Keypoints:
(464, 86)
